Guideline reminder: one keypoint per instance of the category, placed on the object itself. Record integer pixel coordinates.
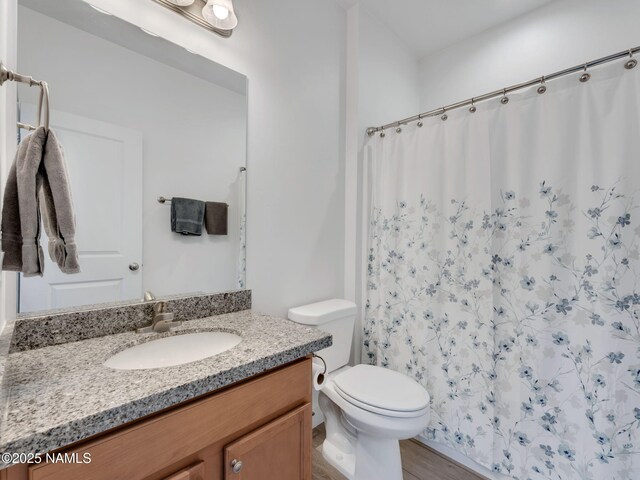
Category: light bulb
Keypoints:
(221, 12)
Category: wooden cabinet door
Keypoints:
(281, 450)
(194, 472)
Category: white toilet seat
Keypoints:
(374, 423)
(378, 410)
(382, 391)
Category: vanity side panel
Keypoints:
(158, 447)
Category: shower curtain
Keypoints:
(504, 275)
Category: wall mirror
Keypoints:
(139, 118)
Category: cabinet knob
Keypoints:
(236, 465)
(134, 266)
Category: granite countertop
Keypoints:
(57, 395)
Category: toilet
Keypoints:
(366, 409)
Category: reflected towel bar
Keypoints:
(7, 75)
(169, 200)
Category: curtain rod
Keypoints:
(631, 63)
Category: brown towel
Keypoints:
(11, 233)
(29, 182)
(57, 205)
(215, 218)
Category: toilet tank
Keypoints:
(336, 317)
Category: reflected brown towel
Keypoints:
(215, 218)
(11, 233)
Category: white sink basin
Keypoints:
(171, 351)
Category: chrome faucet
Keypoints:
(162, 320)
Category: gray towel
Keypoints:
(187, 216)
(215, 218)
(57, 205)
(29, 181)
(11, 233)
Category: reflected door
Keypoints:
(105, 169)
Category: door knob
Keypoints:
(236, 465)
(134, 266)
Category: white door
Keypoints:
(105, 168)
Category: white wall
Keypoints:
(194, 141)
(384, 87)
(388, 75)
(559, 35)
(293, 53)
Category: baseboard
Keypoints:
(458, 459)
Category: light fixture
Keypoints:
(217, 16)
(220, 14)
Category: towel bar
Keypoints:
(162, 199)
(7, 75)
(26, 126)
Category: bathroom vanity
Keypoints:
(244, 413)
(256, 429)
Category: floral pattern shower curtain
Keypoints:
(504, 275)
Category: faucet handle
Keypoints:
(149, 297)
(160, 307)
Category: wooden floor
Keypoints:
(419, 462)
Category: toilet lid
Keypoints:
(381, 390)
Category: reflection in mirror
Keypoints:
(139, 118)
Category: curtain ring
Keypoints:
(444, 114)
(632, 62)
(504, 100)
(585, 76)
(542, 88)
(420, 123)
(473, 108)
(398, 129)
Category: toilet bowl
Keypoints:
(367, 409)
